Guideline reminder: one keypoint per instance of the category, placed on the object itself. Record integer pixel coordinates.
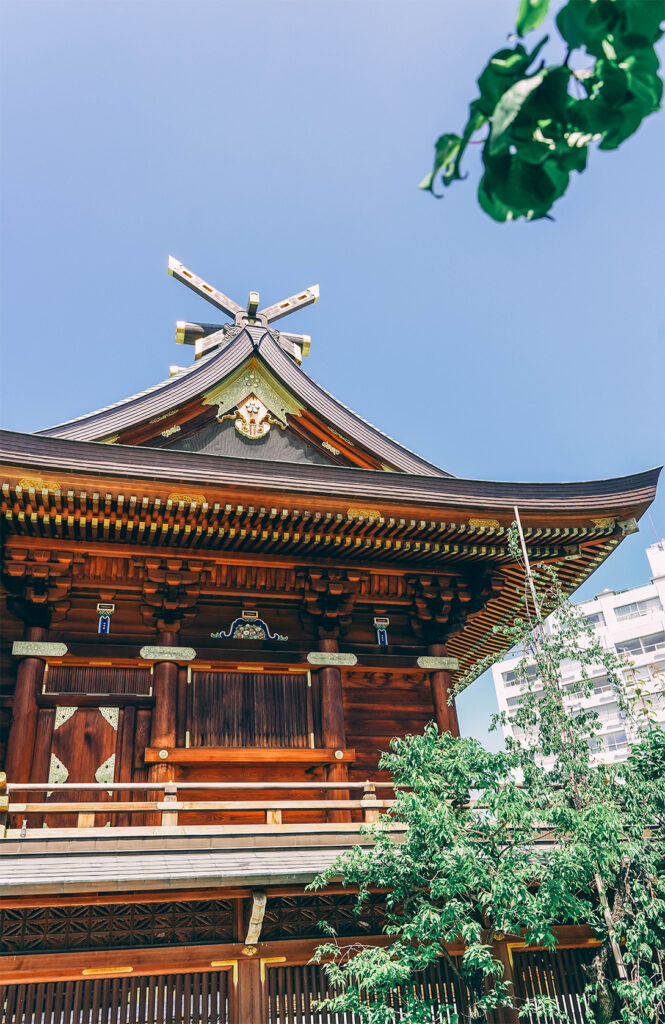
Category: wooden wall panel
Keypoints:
(378, 706)
(250, 773)
(559, 973)
(294, 989)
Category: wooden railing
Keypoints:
(16, 812)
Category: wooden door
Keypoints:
(83, 749)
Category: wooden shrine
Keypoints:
(221, 598)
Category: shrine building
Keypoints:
(221, 598)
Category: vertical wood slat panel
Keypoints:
(181, 708)
(98, 680)
(556, 973)
(157, 999)
(292, 990)
(231, 709)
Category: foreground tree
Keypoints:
(540, 118)
(551, 836)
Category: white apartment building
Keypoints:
(632, 622)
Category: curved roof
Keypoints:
(590, 496)
(212, 370)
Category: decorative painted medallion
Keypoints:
(248, 627)
(37, 484)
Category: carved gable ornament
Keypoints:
(254, 401)
(253, 419)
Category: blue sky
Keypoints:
(270, 145)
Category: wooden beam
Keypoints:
(247, 755)
(106, 807)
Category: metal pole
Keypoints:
(529, 574)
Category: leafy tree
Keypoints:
(514, 843)
(540, 118)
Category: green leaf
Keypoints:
(533, 109)
(503, 69)
(514, 188)
(445, 154)
(641, 21)
(449, 152)
(508, 108)
(587, 22)
(531, 14)
(621, 95)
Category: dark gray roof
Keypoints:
(198, 860)
(118, 872)
(211, 370)
(49, 453)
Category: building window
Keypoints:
(636, 609)
(518, 676)
(642, 644)
(595, 619)
(614, 741)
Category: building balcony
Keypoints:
(62, 837)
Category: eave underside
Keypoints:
(88, 495)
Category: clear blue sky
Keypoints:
(270, 145)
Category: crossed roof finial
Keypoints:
(192, 334)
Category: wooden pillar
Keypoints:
(441, 683)
(333, 729)
(250, 994)
(23, 728)
(505, 1014)
(165, 693)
